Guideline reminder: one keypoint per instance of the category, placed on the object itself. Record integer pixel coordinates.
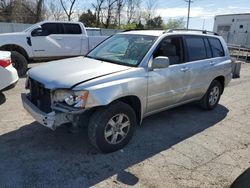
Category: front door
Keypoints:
(49, 41)
(168, 86)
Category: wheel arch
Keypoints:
(221, 79)
(135, 104)
(17, 48)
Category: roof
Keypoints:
(145, 32)
(71, 22)
(240, 14)
(169, 32)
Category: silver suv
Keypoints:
(129, 76)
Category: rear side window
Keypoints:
(216, 46)
(208, 48)
(195, 48)
(72, 28)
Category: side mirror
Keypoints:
(160, 62)
(37, 32)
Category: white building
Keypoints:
(235, 28)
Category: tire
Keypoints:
(211, 99)
(19, 62)
(100, 125)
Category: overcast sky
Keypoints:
(202, 11)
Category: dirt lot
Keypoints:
(182, 147)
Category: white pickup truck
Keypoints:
(48, 40)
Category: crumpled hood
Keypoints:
(67, 73)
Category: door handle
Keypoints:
(184, 69)
(59, 38)
(212, 63)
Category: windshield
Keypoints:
(123, 49)
(29, 28)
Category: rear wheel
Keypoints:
(111, 128)
(19, 62)
(212, 96)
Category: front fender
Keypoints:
(16, 41)
(105, 93)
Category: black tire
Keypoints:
(19, 62)
(205, 102)
(99, 122)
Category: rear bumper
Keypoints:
(51, 120)
(9, 76)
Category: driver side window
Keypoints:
(48, 29)
(171, 47)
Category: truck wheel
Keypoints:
(111, 128)
(211, 99)
(19, 62)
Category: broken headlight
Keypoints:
(76, 99)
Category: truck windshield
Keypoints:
(123, 49)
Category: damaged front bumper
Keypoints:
(51, 120)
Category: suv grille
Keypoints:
(40, 96)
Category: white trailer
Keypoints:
(234, 28)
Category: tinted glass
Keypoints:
(216, 47)
(72, 29)
(195, 48)
(51, 28)
(208, 48)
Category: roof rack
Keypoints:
(134, 30)
(202, 31)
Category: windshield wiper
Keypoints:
(111, 61)
(97, 58)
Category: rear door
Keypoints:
(49, 42)
(198, 55)
(72, 39)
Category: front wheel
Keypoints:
(111, 128)
(211, 99)
(19, 62)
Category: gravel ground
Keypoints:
(182, 147)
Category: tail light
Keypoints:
(5, 62)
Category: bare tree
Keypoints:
(110, 7)
(34, 9)
(55, 12)
(98, 6)
(120, 5)
(6, 9)
(132, 7)
(68, 6)
(150, 10)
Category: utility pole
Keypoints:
(188, 16)
(203, 25)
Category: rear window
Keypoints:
(195, 48)
(216, 46)
(72, 28)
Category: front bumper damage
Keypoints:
(51, 120)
